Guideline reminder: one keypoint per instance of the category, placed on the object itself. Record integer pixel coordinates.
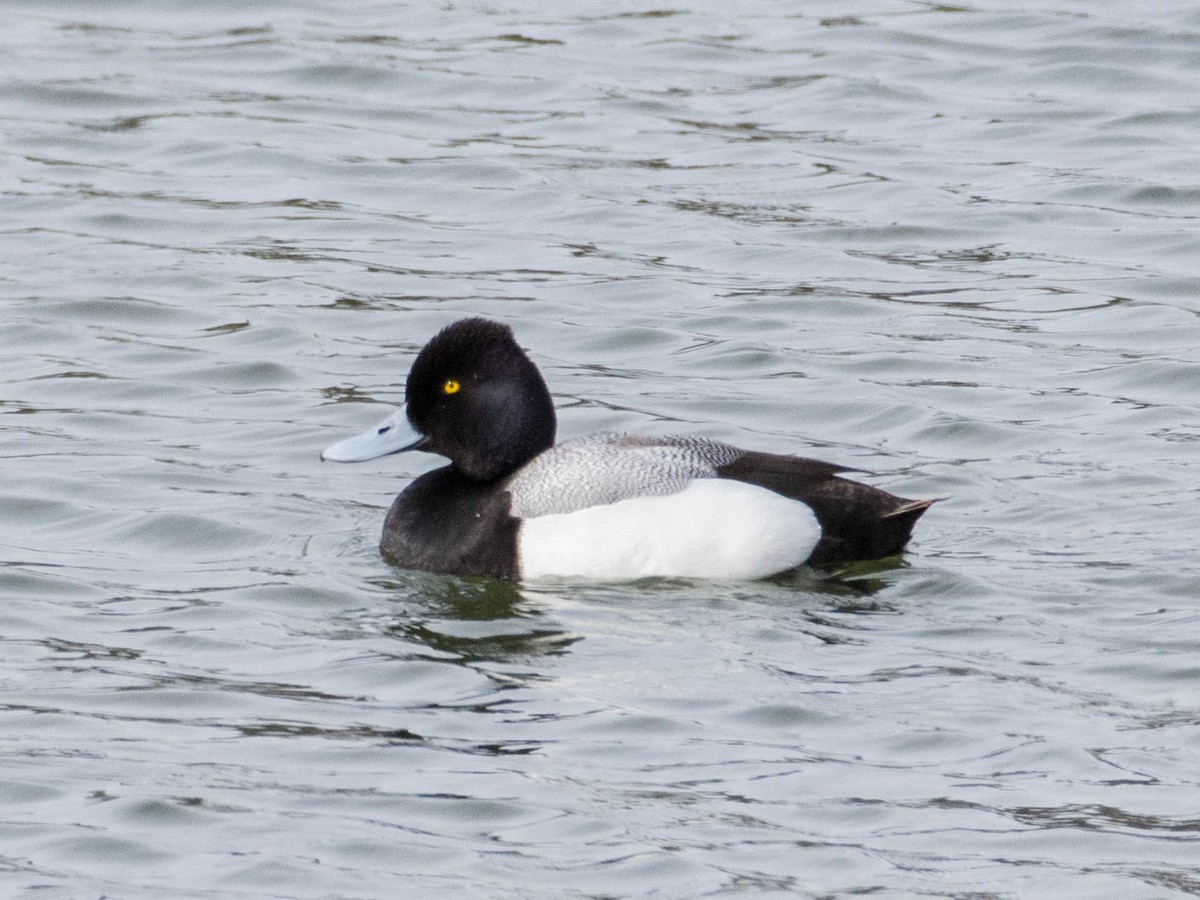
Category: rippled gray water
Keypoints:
(956, 246)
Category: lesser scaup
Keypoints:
(513, 504)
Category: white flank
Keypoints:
(714, 528)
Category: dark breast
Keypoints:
(443, 522)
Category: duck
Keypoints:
(513, 504)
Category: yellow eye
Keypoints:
(450, 386)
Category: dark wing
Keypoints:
(858, 521)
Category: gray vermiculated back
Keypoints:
(606, 468)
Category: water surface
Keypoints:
(952, 245)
